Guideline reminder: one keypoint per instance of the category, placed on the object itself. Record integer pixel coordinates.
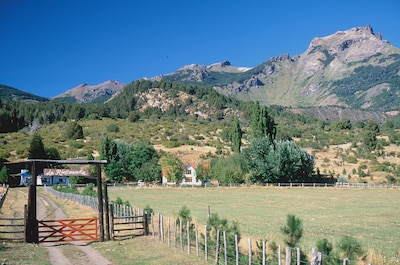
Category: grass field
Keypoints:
(372, 216)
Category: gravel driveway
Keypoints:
(82, 254)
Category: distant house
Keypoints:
(26, 179)
(189, 176)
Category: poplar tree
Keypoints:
(236, 136)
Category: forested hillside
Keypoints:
(165, 116)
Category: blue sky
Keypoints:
(50, 46)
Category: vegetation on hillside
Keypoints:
(76, 130)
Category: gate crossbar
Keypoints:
(84, 229)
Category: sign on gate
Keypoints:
(65, 172)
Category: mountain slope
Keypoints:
(352, 69)
(13, 94)
(85, 93)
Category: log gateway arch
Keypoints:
(31, 227)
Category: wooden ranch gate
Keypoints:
(65, 230)
(84, 229)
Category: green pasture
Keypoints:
(372, 216)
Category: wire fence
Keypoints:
(218, 247)
(222, 248)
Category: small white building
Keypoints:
(189, 177)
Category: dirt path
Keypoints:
(66, 254)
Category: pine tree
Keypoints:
(36, 149)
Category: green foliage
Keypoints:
(67, 189)
(112, 128)
(236, 136)
(227, 169)
(350, 248)
(293, 230)
(133, 116)
(261, 123)
(340, 125)
(367, 76)
(143, 162)
(282, 161)
(184, 214)
(172, 167)
(4, 175)
(52, 153)
(216, 225)
(369, 140)
(74, 131)
(36, 148)
(328, 255)
(89, 190)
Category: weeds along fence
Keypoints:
(218, 247)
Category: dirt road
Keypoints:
(66, 254)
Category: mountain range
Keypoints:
(353, 69)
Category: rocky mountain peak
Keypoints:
(85, 93)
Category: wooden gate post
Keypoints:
(31, 230)
(107, 212)
(100, 201)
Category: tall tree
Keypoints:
(236, 136)
(172, 167)
(261, 123)
(36, 149)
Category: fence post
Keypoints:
(236, 249)
(169, 232)
(279, 254)
(197, 239)
(298, 256)
(188, 236)
(319, 258)
(313, 257)
(288, 255)
(217, 248)
(152, 223)
(159, 226)
(107, 214)
(225, 250)
(111, 213)
(250, 251)
(162, 228)
(205, 243)
(180, 233)
(175, 232)
(263, 254)
(145, 224)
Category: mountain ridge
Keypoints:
(320, 76)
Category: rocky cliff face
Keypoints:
(355, 68)
(85, 93)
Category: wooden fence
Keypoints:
(13, 229)
(220, 248)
